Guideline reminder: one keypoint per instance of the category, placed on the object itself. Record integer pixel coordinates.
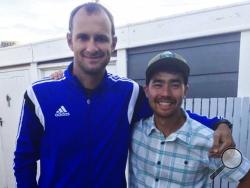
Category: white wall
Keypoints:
(16, 55)
(42, 51)
(244, 65)
(186, 26)
(54, 49)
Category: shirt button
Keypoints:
(156, 179)
(88, 101)
(162, 142)
(159, 162)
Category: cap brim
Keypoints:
(169, 64)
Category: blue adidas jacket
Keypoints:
(80, 140)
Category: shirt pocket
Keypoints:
(188, 171)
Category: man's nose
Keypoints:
(91, 46)
(166, 91)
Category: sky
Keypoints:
(28, 21)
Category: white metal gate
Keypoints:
(237, 110)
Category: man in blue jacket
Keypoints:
(79, 126)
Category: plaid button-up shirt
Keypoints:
(179, 160)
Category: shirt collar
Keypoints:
(183, 133)
(150, 125)
(69, 73)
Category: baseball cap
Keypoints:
(167, 61)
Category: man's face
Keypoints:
(165, 92)
(91, 41)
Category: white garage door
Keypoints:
(12, 87)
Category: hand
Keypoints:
(222, 140)
(245, 181)
(56, 75)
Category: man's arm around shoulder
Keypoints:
(222, 135)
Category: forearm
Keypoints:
(25, 166)
(222, 135)
(27, 147)
(25, 175)
(212, 123)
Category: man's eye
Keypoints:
(83, 37)
(175, 85)
(101, 39)
(157, 85)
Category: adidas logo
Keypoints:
(62, 112)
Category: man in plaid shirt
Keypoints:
(170, 149)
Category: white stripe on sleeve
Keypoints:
(132, 101)
(38, 110)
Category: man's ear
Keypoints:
(186, 89)
(114, 41)
(146, 90)
(69, 40)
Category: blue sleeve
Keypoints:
(211, 123)
(142, 108)
(27, 147)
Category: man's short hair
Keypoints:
(91, 8)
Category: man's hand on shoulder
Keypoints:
(56, 75)
(222, 140)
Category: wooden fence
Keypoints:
(237, 110)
